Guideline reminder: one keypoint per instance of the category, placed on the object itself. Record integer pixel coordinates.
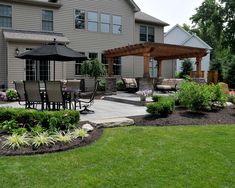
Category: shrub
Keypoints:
(120, 85)
(101, 85)
(201, 97)
(162, 108)
(54, 120)
(11, 94)
(9, 125)
(231, 98)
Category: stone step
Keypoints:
(112, 122)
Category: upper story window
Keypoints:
(47, 20)
(147, 33)
(80, 19)
(105, 23)
(117, 25)
(5, 16)
(92, 21)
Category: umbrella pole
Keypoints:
(54, 70)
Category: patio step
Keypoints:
(136, 102)
(112, 122)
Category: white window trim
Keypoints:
(12, 14)
(45, 20)
(85, 20)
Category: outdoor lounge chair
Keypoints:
(54, 95)
(33, 95)
(130, 84)
(85, 104)
(19, 86)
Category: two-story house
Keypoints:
(88, 26)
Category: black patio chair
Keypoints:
(54, 95)
(33, 96)
(73, 91)
(19, 87)
(85, 104)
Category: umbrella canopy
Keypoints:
(53, 51)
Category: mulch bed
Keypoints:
(182, 116)
(93, 136)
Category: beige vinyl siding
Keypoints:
(85, 41)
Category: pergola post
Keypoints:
(146, 65)
(110, 66)
(159, 69)
(198, 66)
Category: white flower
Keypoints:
(144, 93)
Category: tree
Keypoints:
(186, 68)
(93, 68)
(229, 22)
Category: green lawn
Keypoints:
(192, 156)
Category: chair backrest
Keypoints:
(19, 86)
(73, 84)
(32, 91)
(130, 82)
(54, 91)
(94, 91)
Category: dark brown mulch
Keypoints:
(182, 116)
(93, 136)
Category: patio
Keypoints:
(105, 109)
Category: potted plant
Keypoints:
(144, 93)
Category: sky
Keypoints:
(170, 11)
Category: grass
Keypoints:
(193, 156)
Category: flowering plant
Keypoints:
(144, 93)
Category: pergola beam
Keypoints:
(158, 51)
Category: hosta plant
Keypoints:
(63, 137)
(17, 141)
(42, 139)
(80, 133)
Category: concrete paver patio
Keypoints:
(103, 110)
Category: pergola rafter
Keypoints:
(158, 51)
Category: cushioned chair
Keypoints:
(130, 84)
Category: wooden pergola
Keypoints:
(158, 51)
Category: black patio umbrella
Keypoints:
(53, 51)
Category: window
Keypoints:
(117, 25)
(47, 20)
(93, 55)
(147, 33)
(78, 65)
(5, 16)
(79, 19)
(105, 23)
(92, 21)
(117, 65)
(104, 61)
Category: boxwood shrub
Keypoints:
(50, 120)
(162, 108)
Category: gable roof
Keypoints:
(190, 36)
(143, 17)
(134, 5)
